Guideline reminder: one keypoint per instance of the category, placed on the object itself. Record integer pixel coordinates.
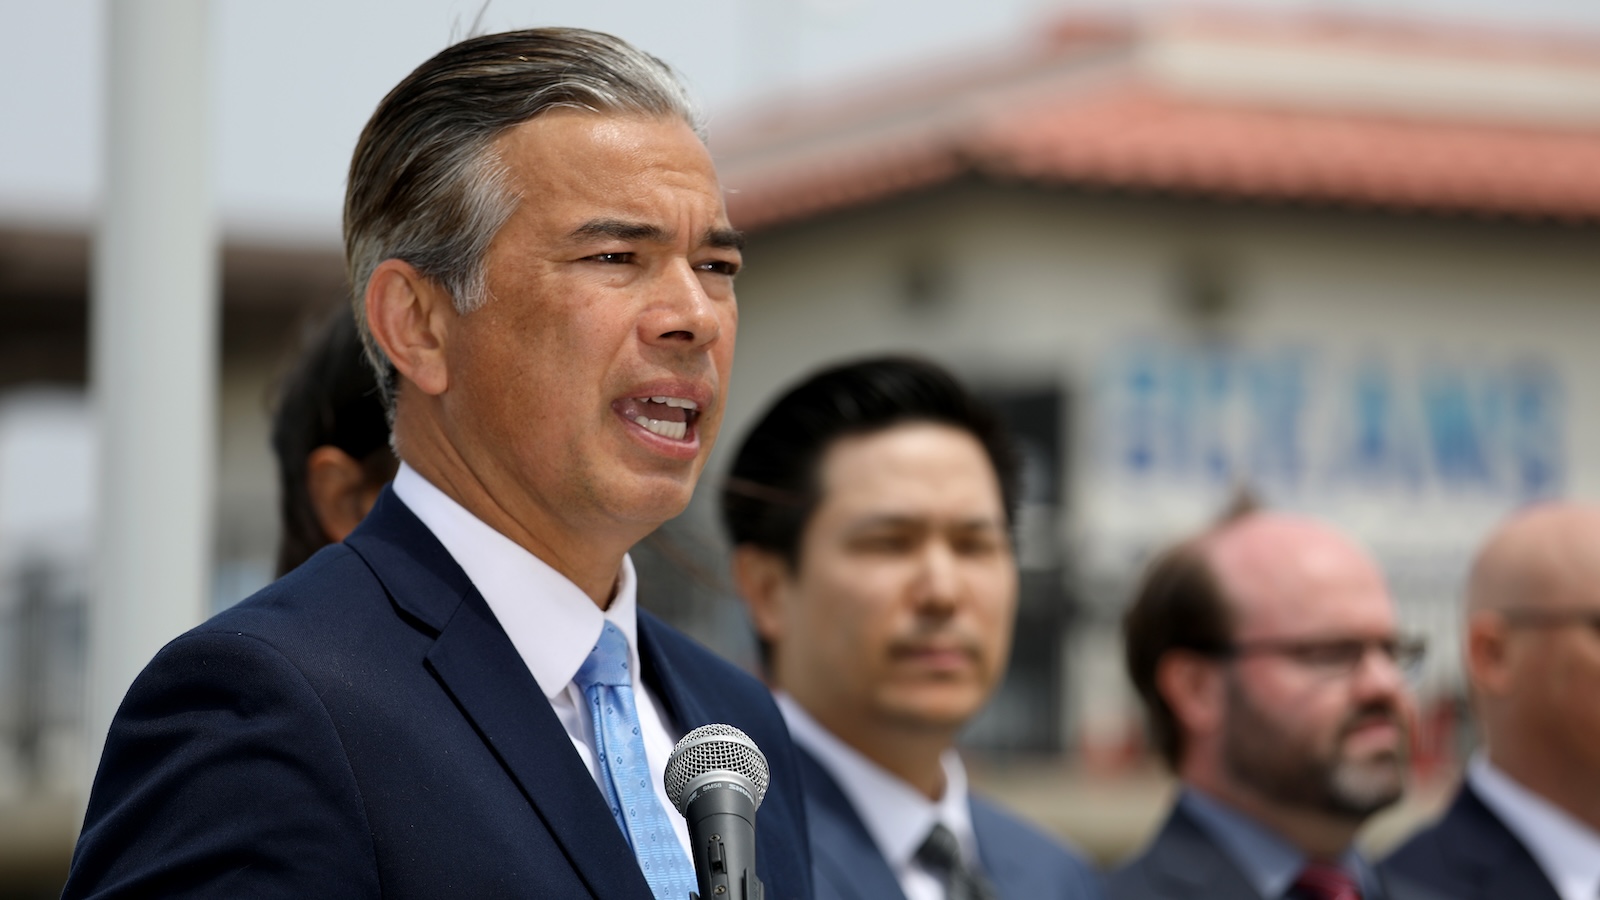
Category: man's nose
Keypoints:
(939, 580)
(681, 312)
(1379, 674)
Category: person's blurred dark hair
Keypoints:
(328, 398)
(1178, 605)
(771, 489)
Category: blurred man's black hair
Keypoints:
(331, 438)
(772, 490)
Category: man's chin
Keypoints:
(653, 499)
(1364, 788)
(934, 711)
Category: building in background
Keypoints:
(1348, 266)
(47, 470)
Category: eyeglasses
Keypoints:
(1552, 618)
(1336, 658)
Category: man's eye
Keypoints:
(1334, 653)
(975, 544)
(720, 266)
(613, 258)
(883, 543)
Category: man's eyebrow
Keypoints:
(899, 520)
(619, 230)
(724, 239)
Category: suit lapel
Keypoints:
(1003, 863)
(669, 681)
(1522, 879)
(1187, 864)
(1479, 842)
(1395, 887)
(476, 663)
(847, 863)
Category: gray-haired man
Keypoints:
(462, 699)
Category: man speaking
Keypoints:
(462, 700)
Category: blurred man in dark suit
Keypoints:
(870, 510)
(462, 699)
(1267, 654)
(330, 435)
(1526, 821)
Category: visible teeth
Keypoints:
(676, 402)
(675, 430)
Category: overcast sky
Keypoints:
(294, 80)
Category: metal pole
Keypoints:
(33, 606)
(153, 348)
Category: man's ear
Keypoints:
(1192, 686)
(761, 576)
(1488, 653)
(410, 317)
(337, 484)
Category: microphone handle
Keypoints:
(722, 830)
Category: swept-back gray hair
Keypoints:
(426, 184)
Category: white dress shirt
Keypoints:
(551, 621)
(896, 814)
(1567, 850)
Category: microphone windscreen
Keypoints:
(714, 748)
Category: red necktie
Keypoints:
(1320, 881)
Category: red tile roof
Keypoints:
(1140, 139)
(1116, 129)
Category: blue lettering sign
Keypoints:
(1214, 416)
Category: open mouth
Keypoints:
(670, 417)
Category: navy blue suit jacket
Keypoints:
(364, 727)
(1021, 861)
(1183, 862)
(1470, 854)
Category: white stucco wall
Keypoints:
(1481, 338)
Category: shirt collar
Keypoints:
(550, 620)
(1270, 863)
(897, 815)
(1567, 850)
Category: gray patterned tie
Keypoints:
(941, 855)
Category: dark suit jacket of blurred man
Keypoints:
(1184, 862)
(371, 731)
(1022, 863)
(1472, 854)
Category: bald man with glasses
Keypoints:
(1267, 653)
(1526, 821)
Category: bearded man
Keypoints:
(1267, 653)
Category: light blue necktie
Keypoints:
(625, 770)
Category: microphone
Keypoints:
(716, 777)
